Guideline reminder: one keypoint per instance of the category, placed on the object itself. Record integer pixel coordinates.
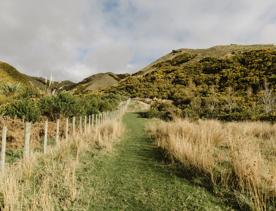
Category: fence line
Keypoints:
(45, 137)
(85, 126)
(67, 129)
(3, 149)
(57, 131)
(27, 139)
(74, 126)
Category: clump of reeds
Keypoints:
(237, 156)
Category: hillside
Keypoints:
(59, 85)
(98, 81)
(8, 74)
(226, 82)
(13, 83)
(12, 77)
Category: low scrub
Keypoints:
(163, 110)
(32, 107)
(26, 109)
(236, 158)
(226, 83)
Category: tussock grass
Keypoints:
(48, 182)
(237, 157)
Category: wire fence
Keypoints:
(72, 127)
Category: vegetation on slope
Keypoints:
(224, 82)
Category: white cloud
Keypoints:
(74, 39)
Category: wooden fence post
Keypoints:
(3, 149)
(66, 129)
(85, 124)
(45, 137)
(80, 124)
(100, 118)
(74, 126)
(57, 132)
(27, 139)
(92, 121)
(89, 123)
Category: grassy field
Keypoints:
(101, 171)
(237, 160)
(135, 177)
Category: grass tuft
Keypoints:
(236, 157)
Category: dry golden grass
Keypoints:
(48, 181)
(236, 156)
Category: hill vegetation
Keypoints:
(224, 82)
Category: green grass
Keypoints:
(135, 177)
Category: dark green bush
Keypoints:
(61, 104)
(24, 109)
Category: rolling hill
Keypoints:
(58, 85)
(225, 82)
(9, 74)
(98, 81)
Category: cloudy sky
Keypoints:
(76, 38)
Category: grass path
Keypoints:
(133, 177)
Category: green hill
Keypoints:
(232, 82)
(98, 81)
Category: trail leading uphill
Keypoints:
(134, 177)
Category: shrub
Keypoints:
(24, 109)
(163, 110)
(61, 104)
(89, 104)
